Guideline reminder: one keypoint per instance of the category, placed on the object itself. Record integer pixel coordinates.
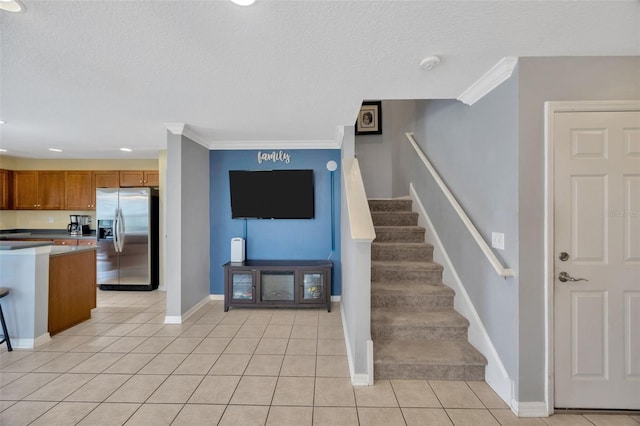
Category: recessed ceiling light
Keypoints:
(1, 122)
(244, 2)
(3, 150)
(126, 149)
(11, 5)
(55, 150)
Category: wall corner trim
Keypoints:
(499, 73)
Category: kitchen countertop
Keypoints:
(60, 250)
(17, 245)
(54, 235)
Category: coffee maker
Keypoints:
(74, 226)
(84, 221)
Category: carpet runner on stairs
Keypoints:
(415, 330)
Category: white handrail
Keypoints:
(491, 257)
(357, 205)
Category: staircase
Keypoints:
(416, 333)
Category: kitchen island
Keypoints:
(72, 286)
(44, 279)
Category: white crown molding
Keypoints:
(175, 128)
(184, 130)
(266, 145)
(489, 81)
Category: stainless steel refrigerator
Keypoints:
(127, 233)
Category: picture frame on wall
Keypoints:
(369, 121)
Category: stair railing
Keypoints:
(491, 257)
(356, 235)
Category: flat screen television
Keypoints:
(271, 194)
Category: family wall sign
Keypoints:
(274, 156)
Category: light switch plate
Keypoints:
(50, 219)
(497, 240)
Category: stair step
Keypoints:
(428, 360)
(394, 218)
(445, 324)
(411, 296)
(389, 205)
(388, 270)
(402, 251)
(407, 234)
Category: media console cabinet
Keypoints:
(278, 283)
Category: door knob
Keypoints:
(564, 277)
(564, 256)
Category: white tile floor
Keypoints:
(243, 367)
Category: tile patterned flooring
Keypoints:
(243, 367)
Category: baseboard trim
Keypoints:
(179, 319)
(336, 298)
(216, 297)
(357, 379)
(496, 375)
(30, 343)
(529, 409)
(173, 319)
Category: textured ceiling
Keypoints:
(90, 77)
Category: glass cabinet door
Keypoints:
(243, 286)
(313, 287)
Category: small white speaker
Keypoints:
(237, 249)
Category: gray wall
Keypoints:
(475, 150)
(187, 217)
(551, 79)
(375, 153)
(195, 223)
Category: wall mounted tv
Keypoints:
(271, 194)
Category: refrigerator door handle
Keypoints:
(115, 231)
(121, 230)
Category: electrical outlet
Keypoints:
(50, 219)
(497, 240)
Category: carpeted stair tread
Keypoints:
(406, 265)
(397, 317)
(434, 352)
(400, 218)
(389, 205)
(428, 360)
(400, 246)
(411, 288)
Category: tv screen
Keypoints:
(272, 194)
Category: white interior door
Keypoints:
(597, 237)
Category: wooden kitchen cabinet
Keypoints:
(25, 189)
(80, 190)
(151, 178)
(106, 179)
(38, 190)
(6, 189)
(132, 178)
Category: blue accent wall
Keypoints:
(281, 239)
